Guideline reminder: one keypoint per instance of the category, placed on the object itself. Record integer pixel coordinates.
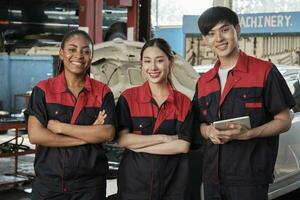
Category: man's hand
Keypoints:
(212, 134)
(100, 119)
(234, 132)
(55, 126)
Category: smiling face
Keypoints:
(76, 54)
(223, 40)
(156, 65)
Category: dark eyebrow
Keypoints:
(223, 26)
(74, 45)
(147, 57)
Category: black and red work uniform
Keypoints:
(70, 172)
(254, 88)
(144, 176)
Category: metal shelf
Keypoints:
(5, 155)
(17, 177)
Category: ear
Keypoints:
(238, 30)
(61, 54)
(204, 40)
(172, 63)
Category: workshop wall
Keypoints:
(173, 35)
(18, 75)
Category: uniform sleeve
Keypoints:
(123, 115)
(187, 127)
(277, 94)
(109, 106)
(197, 139)
(195, 108)
(37, 106)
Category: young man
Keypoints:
(238, 162)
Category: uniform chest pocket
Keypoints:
(251, 99)
(143, 126)
(89, 115)
(204, 105)
(60, 115)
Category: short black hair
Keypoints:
(212, 16)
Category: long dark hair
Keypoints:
(69, 35)
(165, 47)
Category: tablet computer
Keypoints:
(222, 124)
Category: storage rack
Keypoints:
(17, 176)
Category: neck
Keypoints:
(74, 80)
(229, 60)
(159, 89)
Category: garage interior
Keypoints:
(120, 26)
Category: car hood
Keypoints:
(117, 63)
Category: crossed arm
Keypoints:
(155, 144)
(58, 134)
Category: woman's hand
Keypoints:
(100, 119)
(55, 126)
(169, 138)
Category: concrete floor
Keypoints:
(10, 191)
(14, 194)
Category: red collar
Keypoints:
(241, 65)
(145, 96)
(59, 84)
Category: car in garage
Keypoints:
(287, 167)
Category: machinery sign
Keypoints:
(272, 21)
(269, 23)
(256, 23)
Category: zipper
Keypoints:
(219, 118)
(73, 96)
(153, 127)
(158, 112)
(220, 94)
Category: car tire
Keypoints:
(117, 35)
(116, 30)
